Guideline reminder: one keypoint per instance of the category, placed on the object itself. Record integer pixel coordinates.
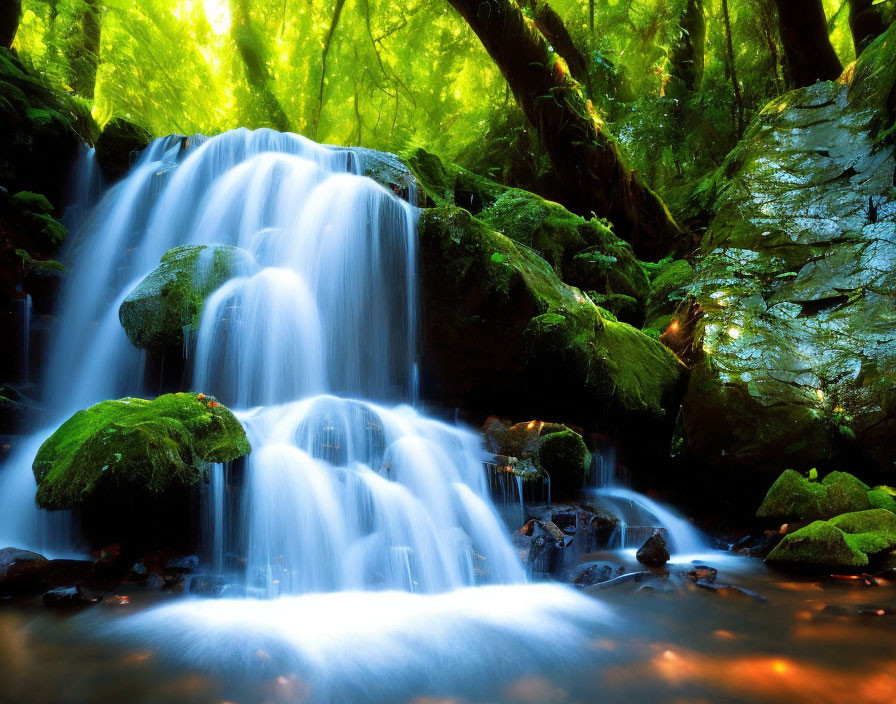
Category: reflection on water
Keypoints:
(813, 640)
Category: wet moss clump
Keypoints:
(583, 253)
(849, 540)
(503, 334)
(818, 544)
(133, 446)
(794, 497)
(169, 300)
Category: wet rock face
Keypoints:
(796, 280)
(117, 146)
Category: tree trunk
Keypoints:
(257, 75)
(738, 107)
(10, 14)
(865, 22)
(551, 25)
(687, 56)
(85, 52)
(337, 13)
(591, 172)
(807, 46)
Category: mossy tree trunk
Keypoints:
(865, 22)
(85, 51)
(808, 52)
(551, 25)
(10, 14)
(687, 56)
(592, 174)
(257, 75)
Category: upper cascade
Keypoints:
(316, 312)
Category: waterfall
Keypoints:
(312, 344)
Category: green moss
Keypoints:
(582, 253)
(505, 320)
(818, 544)
(793, 497)
(670, 287)
(34, 202)
(135, 445)
(871, 531)
(882, 497)
(170, 298)
(563, 454)
(48, 268)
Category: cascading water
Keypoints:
(341, 495)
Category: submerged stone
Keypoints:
(134, 447)
(169, 300)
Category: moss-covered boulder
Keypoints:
(795, 497)
(118, 144)
(134, 447)
(565, 458)
(583, 253)
(169, 300)
(503, 334)
(850, 541)
(795, 281)
(818, 544)
(535, 448)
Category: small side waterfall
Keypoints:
(639, 516)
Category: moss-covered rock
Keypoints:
(795, 282)
(794, 497)
(536, 448)
(565, 458)
(818, 544)
(848, 540)
(119, 141)
(169, 299)
(503, 333)
(132, 446)
(583, 253)
(390, 172)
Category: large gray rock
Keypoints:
(797, 284)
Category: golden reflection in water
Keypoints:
(761, 677)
